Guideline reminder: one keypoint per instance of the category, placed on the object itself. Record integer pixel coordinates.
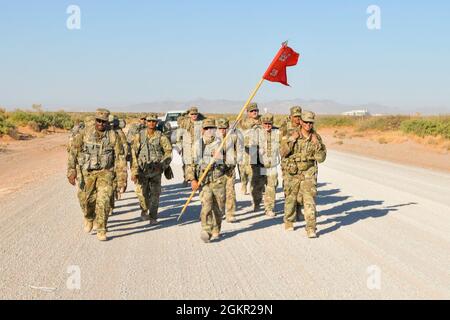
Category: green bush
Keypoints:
(335, 121)
(428, 127)
(5, 124)
(62, 120)
(386, 123)
(42, 120)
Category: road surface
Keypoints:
(384, 233)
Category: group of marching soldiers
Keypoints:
(99, 151)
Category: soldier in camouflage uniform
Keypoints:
(212, 193)
(229, 158)
(151, 153)
(250, 167)
(269, 142)
(135, 128)
(189, 132)
(99, 153)
(117, 125)
(288, 126)
(302, 150)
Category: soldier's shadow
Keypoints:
(347, 213)
(340, 215)
(167, 217)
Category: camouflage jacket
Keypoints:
(187, 135)
(230, 151)
(93, 151)
(123, 141)
(248, 132)
(204, 156)
(269, 147)
(287, 127)
(134, 128)
(144, 164)
(301, 154)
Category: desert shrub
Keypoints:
(62, 120)
(34, 126)
(428, 126)
(387, 123)
(6, 126)
(20, 117)
(335, 121)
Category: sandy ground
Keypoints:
(428, 153)
(384, 233)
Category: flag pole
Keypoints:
(202, 177)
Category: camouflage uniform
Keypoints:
(134, 129)
(229, 158)
(189, 132)
(151, 155)
(302, 156)
(80, 192)
(98, 154)
(269, 154)
(117, 125)
(250, 167)
(286, 129)
(212, 193)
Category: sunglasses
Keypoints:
(254, 111)
(310, 123)
(101, 121)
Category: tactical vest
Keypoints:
(217, 170)
(302, 157)
(98, 155)
(150, 150)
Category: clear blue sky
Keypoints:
(142, 51)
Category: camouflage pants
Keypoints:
(114, 194)
(285, 176)
(270, 187)
(257, 183)
(245, 173)
(81, 194)
(213, 205)
(230, 178)
(148, 191)
(98, 191)
(301, 188)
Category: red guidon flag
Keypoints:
(286, 57)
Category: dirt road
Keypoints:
(384, 232)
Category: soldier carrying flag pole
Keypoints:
(276, 72)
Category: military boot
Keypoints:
(231, 219)
(288, 226)
(144, 215)
(101, 235)
(215, 236)
(88, 225)
(311, 233)
(270, 213)
(205, 236)
(153, 222)
(95, 227)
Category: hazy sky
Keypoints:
(129, 52)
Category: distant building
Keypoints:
(357, 113)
